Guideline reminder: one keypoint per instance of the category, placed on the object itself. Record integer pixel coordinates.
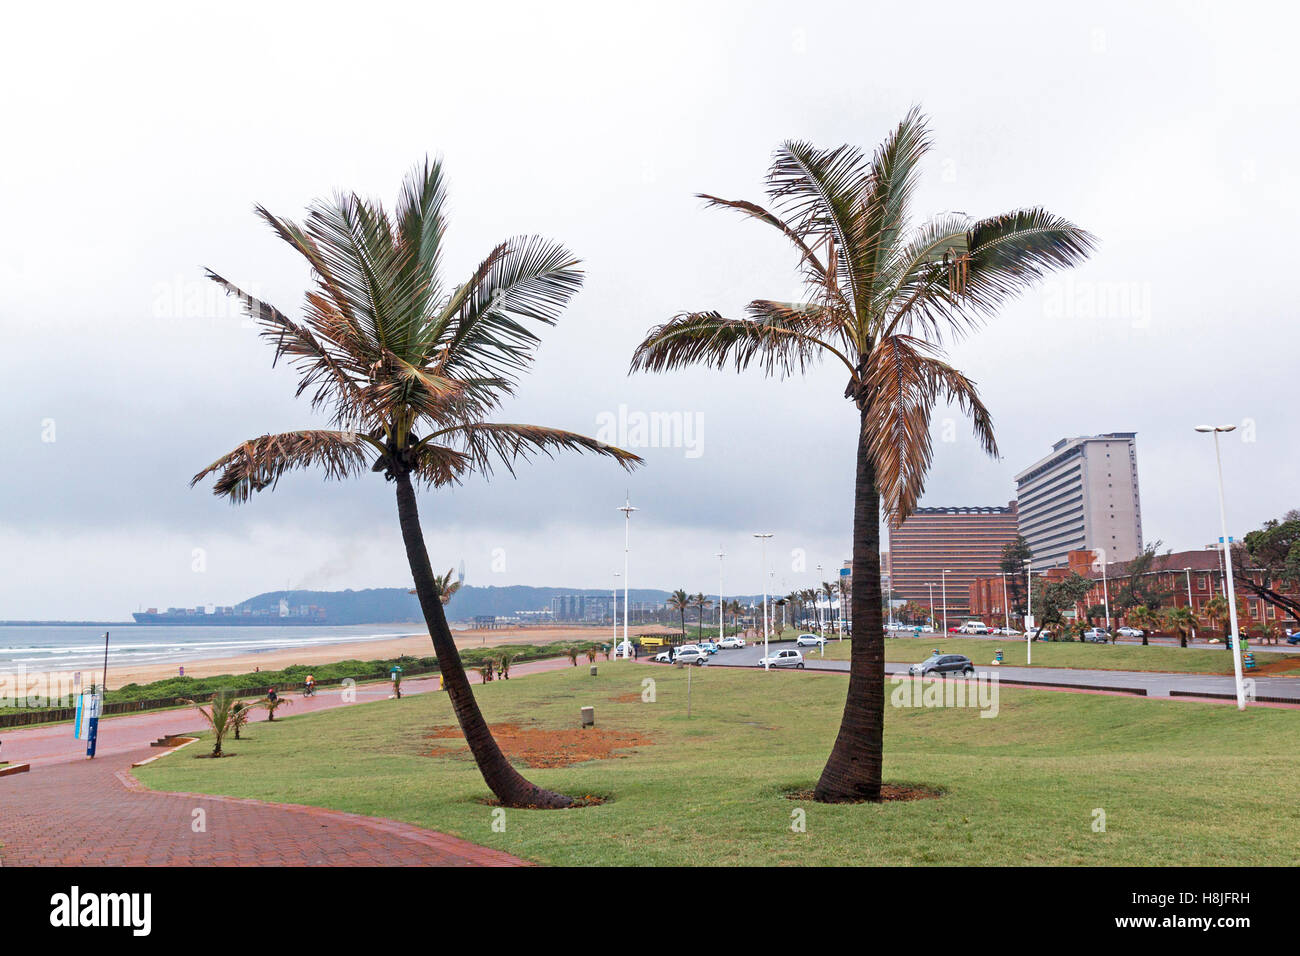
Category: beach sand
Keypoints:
(418, 645)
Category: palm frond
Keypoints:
(905, 379)
(258, 463)
(489, 444)
(781, 337)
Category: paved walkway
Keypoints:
(69, 811)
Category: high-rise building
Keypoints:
(966, 542)
(1084, 495)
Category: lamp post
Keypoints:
(720, 555)
(930, 585)
(821, 618)
(1227, 564)
(1006, 601)
(1188, 571)
(1029, 610)
(763, 536)
(1105, 591)
(613, 612)
(943, 583)
(627, 510)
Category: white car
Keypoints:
(732, 642)
(973, 627)
(785, 658)
(1129, 632)
(809, 640)
(691, 654)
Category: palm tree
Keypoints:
(679, 600)
(1143, 618)
(1216, 612)
(882, 299)
(222, 715)
(1181, 619)
(446, 586)
(409, 368)
(272, 704)
(703, 603)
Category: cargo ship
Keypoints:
(242, 616)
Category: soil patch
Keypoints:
(888, 792)
(540, 747)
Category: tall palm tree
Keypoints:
(703, 603)
(408, 368)
(1144, 619)
(1183, 620)
(679, 600)
(882, 298)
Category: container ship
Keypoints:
(282, 616)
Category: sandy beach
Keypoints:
(416, 645)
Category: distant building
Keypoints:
(1083, 496)
(967, 542)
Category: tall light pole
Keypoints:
(1006, 601)
(930, 585)
(943, 582)
(821, 618)
(613, 612)
(763, 536)
(1227, 564)
(1105, 591)
(1029, 610)
(1189, 600)
(720, 555)
(627, 510)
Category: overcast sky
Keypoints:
(136, 144)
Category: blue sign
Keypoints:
(845, 572)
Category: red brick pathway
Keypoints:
(69, 811)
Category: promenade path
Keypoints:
(70, 811)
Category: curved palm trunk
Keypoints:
(506, 783)
(852, 771)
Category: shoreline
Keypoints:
(413, 645)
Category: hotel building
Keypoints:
(966, 542)
(1084, 495)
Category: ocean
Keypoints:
(58, 647)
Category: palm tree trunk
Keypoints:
(507, 783)
(852, 771)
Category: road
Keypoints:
(1156, 684)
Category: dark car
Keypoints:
(943, 664)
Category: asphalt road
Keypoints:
(1155, 684)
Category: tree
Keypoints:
(881, 299)
(272, 704)
(1053, 598)
(679, 600)
(1139, 586)
(1143, 618)
(1181, 619)
(408, 369)
(1216, 612)
(703, 603)
(1272, 553)
(1012, 564)
(222, 715)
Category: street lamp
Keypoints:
(613, 612)
(763, 536)
(627, 510)
(821, 618)
(720, 555)
(943, 582)
(1227, 563)
(1105, 591)
(1006, 601)
(930, 585)
(1189, 599)
(1029, 611)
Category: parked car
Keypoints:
(809, 640)
(732, 642)
(943, 664)
(1129, 632)
(784, 658)
(691, 654)
(954, 629)
(973, 627)
(1095, 635)
(1293, 637)
(709, 646)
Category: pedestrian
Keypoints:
(636, 651)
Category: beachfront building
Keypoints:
(948, 548)
(1084, 495)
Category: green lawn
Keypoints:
(1119, 657)
(1179, 782)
